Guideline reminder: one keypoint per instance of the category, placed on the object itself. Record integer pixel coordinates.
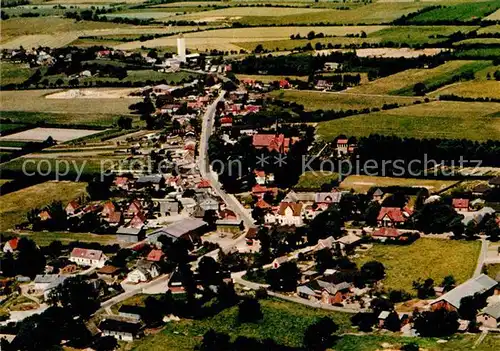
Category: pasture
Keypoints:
(33, 106)
(425, 258)
(439, 119)
(472, 89)
(403, 82)
(363, 183)
(13, 73)
(315, 179)
(15, 205)
(315, 100)
(495, 16)
(284, 322)
(467, 12)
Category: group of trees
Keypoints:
(28, 260)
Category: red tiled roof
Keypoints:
(44, 215)
(13, 243)
(155, 255)
(135, 206)
(261, 174)
(395, 214)
(115, 217)
(204, 183)
(72, 205)
(259, 189)
(138, 220)
(121, 180)
(387, 232)
(86, 253)
(108, 207)
(225, 120)
(227, 214)
(272, 142)
(460, 203)
(262, 204)
(295, 206)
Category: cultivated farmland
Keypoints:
(362, 183)
(472, 89)
(439, 119)
(468, 12)
(403, 82)
(315, 100)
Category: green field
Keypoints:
(315, 100)
(314, 180)
(14, 73)
(32, 106)
(285, 322)
(45, 238)
(425, 258)
(472, 89)
(14, 206)
(362, 183)
(439, 119)
(402, 83)
(467, 12)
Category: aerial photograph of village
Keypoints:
(250, 175)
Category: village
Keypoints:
(213, 207)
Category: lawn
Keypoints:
(362, 183)
(15, 205)
(438, 119)
(13, 73)
(285, 322)
(315, 179)
(402, 83)
(316, 100)
(467, 12)
(425, 258)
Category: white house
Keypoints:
(144, 272)
(44, 283)
(289, 213)
(88, 257)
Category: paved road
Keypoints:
(204, 165)
(482, 256)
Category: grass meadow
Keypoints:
(439, 119)
(15, 205)
(315, 179)
(425, 258)
(362, 183)
(466, 12)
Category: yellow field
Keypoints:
(473, 89)
(268, 78)
(407, 78)
(315, 100)
(362, 183)
(238, 12)
(495, 16)
(57, 32)
(14, 206)
(225, 39)
(490, 29)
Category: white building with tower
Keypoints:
(181, 48)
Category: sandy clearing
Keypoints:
(118, 93)
(58, 134)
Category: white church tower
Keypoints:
(181, 48)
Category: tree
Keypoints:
(105, 343)
(153, 311)
(448, 283)
(249, 311)
(30, 260)
(324, 260)
(424, 288)
(411, 346)
(209, 271)
(77, 295)
(124, 122)
(319, 335)
(469, 305)
(392, 322)
(436, 323)
(373, 271)
(258, 49)
(419, 89)
(214, 341)
(284, 278)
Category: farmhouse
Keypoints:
(272, 142)
(187, 229)
(482, 284)
(119, 330)
(460, 205)
(393, 216)
(289, 213)
(88, 257)
(490, 316)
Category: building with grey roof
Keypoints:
(489, 317)
(481, 284)
(188, 229)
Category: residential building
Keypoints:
(461, 205)
(328, 198)
(489, 317)
(272, 142)
(289, 213)
(88, 257)
(11, 245)
(134, 313)
(45, 283)
(393, 216)
(386, 233)
(145, 271)
(129, 234)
